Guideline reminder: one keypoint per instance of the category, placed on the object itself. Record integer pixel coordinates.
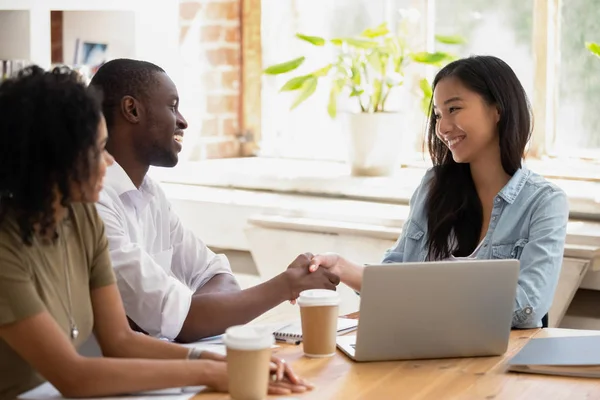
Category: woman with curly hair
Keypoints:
(56, 280)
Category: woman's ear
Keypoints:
(497, 114)
(130, 109)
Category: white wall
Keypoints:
(114, 28)
(155, 35)
(14, 35)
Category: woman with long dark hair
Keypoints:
(56, 280)
(479, 201)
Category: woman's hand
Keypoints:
(217, 372)
(349, 272)
(283, 379)
(331, 261)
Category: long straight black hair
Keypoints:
(454, 210)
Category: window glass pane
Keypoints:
(502, 28)
(578, 116)
(308, 131)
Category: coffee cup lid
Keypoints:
(247, 337)
(318, 297)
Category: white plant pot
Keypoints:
(374, 143)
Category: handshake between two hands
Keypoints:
(304, 273)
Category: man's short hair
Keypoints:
(123, 77)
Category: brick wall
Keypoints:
(56, 36)
(210, 44)
(211, 31)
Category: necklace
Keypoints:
(74, 331)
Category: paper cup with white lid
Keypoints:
(248, 360)
(319, 310)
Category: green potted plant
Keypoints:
(594, 48)
(367, 68)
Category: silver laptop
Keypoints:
(434, 310)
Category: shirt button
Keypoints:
(528, 310)
(494, 218)
(497, 200)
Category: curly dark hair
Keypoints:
(48, 133)
(123, 77)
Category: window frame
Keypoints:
(251, 76)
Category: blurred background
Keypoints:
(262, 182)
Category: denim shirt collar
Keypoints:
(514, 186)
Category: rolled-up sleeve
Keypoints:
(541, 260)
(154, 299)
(193, 262)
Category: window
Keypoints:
(307, 131)
(560, 76)
(500, 28)
(578, 113)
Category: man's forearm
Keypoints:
(213, 312)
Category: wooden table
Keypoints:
(467, 378)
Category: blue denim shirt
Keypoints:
(528, 223)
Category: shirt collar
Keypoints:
(514, 186)
(117, 179)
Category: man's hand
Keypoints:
(299, 278)
(212, 313)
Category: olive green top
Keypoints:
(32, 281)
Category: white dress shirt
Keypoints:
(158, 263)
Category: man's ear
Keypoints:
(130, 109)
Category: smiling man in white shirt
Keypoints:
(172, 285)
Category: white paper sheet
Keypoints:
(49, 392)
(215, 348)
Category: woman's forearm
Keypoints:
(351, 274)
(138, 345)
(94, 377)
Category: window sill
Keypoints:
(333, 180)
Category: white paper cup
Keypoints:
(319, 310)
(248, 359)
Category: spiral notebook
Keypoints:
(293, 331)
